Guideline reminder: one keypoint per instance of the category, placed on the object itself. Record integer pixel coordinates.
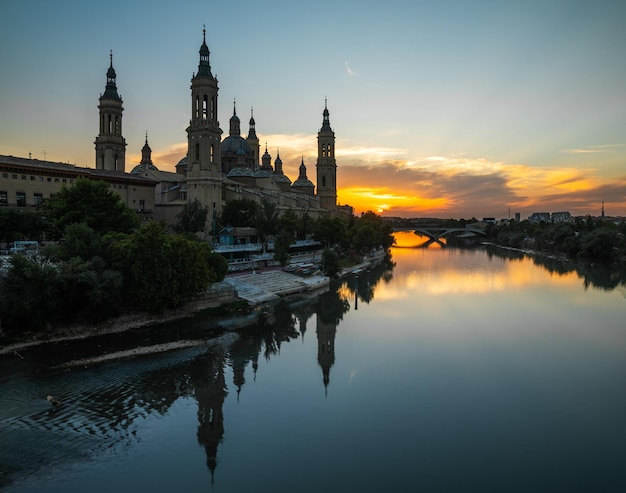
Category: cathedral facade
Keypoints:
(217, 170)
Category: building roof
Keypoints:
(35, 165)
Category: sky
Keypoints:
(449, 109)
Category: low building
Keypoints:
(27, 182)
(562, 217)
(537, 217)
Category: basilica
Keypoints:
(216, 170)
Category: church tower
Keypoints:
(253, 140)
(326, 165)
(204, 178)
(110, 145)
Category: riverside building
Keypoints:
(213, 171)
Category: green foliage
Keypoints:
(90, 291)
(239, 213)
(330, 231)
(192, 218)
(28, 295)
(90, 202)
(282, 242)
(365, 237)
(585, 237)
(330, 262)
(289, 222)
(599, 244)
(218, 265)
(79, 240)
(266, 220)
(383, 230)
(20, 224)
(162, 271)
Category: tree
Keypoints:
(330, 262)
(266, 221)
(90, 202)
(239, 213)
(162, 271)
(365, 238)
(28, 295)
(79, 240)
(192, 218)
(289, 222)
(283, 241)
(90, 290)
(16, 224)
(599, 244)
(330, 230)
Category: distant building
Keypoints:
(537, 217)
(562, 217)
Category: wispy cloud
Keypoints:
(349, 70)
(593, 149)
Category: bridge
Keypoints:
(436, 233)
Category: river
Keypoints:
(451, 370)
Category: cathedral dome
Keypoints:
(233, 143)
(303, 182)
(240, 171)
(141, 167)
(282, 179)
(183, 162)
(263, 173)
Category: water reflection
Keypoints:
(105, 405)
(431, 355)
(467, 273)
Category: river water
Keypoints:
(452, 370)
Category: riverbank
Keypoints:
(255, 288)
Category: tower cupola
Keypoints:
(204, 67)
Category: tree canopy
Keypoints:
(90, 202)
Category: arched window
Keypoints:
(197, 108)
(213, 108)
(197, 152)
(205, 104)
(212, 152)
(323, 181)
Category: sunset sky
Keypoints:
(440, 108)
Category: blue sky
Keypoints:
(447, 108)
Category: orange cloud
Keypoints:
(388, 181)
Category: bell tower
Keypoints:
(110, 145)
(204, 177)
(326, 164)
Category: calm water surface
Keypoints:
(455, 370)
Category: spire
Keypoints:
(235, 128)
(326, 120)
(266, 160)
(252, 131)
(146, 153)
(302, 170)
(204, 67)
(278, 163)
(110, 92)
